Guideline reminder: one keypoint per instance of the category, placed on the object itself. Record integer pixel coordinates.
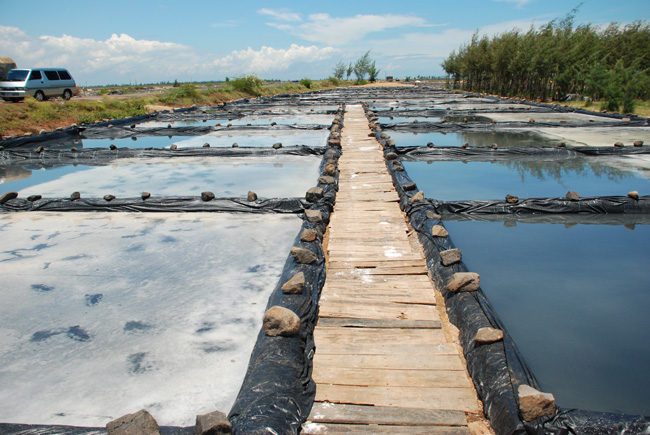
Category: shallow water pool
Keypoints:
(473, 138)
(457, 180)
(575, 300)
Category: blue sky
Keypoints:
(141, 41)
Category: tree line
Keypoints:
(557, 60)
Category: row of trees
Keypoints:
(362, 67)
(556, 60)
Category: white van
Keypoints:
(40, 83)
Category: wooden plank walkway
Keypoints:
(383, 363)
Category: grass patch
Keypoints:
(641, 108)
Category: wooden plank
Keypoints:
(331, 322)
(354, 414)
(440, 361)
(384, 311)
(462, 399)
(367, 377)
(342, 429)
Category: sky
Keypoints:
(141, 41)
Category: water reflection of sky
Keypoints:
(473, 138)
(268, 176)
(575, 301)
(102, 315)
(455, 180)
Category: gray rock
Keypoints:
(329, 169)
(625, 120)
(277, 145)
(384, 136)
(75, 196)
(32, 198)
(560, 145)
(40, 149)
(326, 179)
(140, 423)
(303, 256)
(313, 215)
(464, 282)
(409, 186)
(207, 196)
(112, 147)
(309, 235)
(235, 145)
(397, 166)
(451, 256)
(145, 195)
(214, 423)
(619, 144)
(417, 197)
(295, 284)
(391, 156)
(534, 404)
(432, 215)
(334, 142)
(439, 231)
(465, 145)
(572, 196)
(174, 147)
(43, 131)
(109, 197)
(205, 145)
(252, 196)
(638, 143)
(7, 196)
(314, 194)
(494, 146)
(511, 199)
(280, 321)
(633, 194)
(488, 335)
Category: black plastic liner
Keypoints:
(498, 368)
(599, 205)
(278, 392)
(568, 220)
(163, 204)
(99, 156)
(415, 153)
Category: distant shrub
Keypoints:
(249, 84)
(306, 83)
(335, 81)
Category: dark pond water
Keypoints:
(454, 180)
(575, 299)
(473, 138)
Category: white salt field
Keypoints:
(105, 314)
(551, 117)
(269, 176)
(598, 136)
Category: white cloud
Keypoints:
(281, 14)
(520, 3)
(269, 59)
(330, 30)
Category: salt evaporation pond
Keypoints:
(291, 119)
(457, 180)
(104, 314)
(575, 301)
(406, 119)
(473, 138)
(269, 176)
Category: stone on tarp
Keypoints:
(464, 282)
(633, 194)
(280, 321)
(326, 179)
(7, 196)
(214, 423)
(303, 256)
(314, 194)
(145, 195)
(295, 284)
(329, 169)
(309, 235)
(109, 197)
(638, 143)
(113, 147)
(174, 147)
(313, 215)
(417, 197)
(572, 196)
(139, 423)
(32, 198)
(75, 196)
(619, 144)
(488, 335)
(252, 196)
(391, 156)
(277, 145)
(534, 404)
(439, 231)
(511, 199)
(494, 146)
(450, 256)
(432, 215)
(206, 145)
(409, 186)
(560, 145)
(334, 142)
(235, 145)
(207, 196)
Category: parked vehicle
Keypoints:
(40, 83)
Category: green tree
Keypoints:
(339, 71)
